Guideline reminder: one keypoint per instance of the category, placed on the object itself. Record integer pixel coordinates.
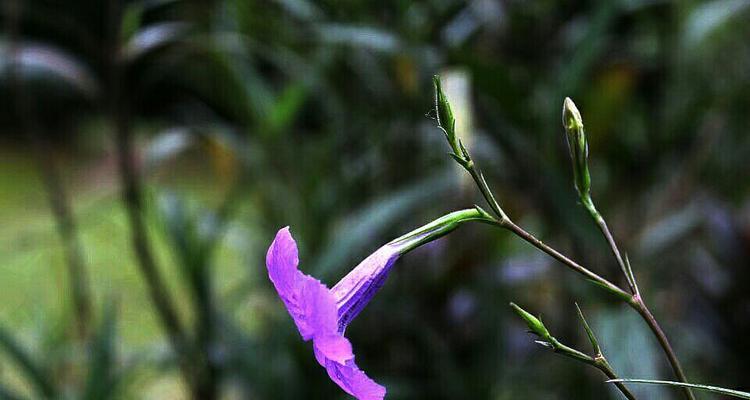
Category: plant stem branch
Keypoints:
(604, 283)
(602, 225)
(468, 164)
(638, 304)
(601, 363)
(485, 189)
(636, 300)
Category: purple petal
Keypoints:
(334, 347)
(351, 379)
(314, 309)
(358, 287)
(308, 301)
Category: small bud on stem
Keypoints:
(535, 325)
(577, 147)
(445, 118)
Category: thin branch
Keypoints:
(604, 229)
(653, 324)
(602, 282)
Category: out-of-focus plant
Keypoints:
(59, 370)
(90, 369)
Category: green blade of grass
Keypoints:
(714, 389)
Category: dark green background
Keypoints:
(318, 115)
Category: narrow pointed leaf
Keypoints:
(30, 368)
(101, 380)
(589, 332)
(713, 389)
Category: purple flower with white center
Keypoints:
(322, 314)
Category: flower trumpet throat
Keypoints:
(322, 315)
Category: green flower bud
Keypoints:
(577, 147)
(535, 325)
(445, 117)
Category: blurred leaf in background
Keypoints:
(247, 116)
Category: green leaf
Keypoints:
(34, 372)
(42, 64)
(131, 19)
(285, 109)
(153, 37)
(7, 394)
(101, 382)
(707, 18)
(359, 37)
(714, 389)
(589, 332)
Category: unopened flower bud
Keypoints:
(445, 118)
(577, 147)
(535, 325)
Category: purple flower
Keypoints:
(322, 314)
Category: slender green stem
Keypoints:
(506, 223)
(634, 300)
(604, 283)
(601, 363)
(637, 301)
(485, 189)
(602, 225)
(638, 304)
(598, 361)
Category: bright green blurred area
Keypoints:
(247, 116)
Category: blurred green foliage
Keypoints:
(252, 115)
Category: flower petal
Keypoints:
(334, 347)
(353, 381)
(308, 301)
(314, 310)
